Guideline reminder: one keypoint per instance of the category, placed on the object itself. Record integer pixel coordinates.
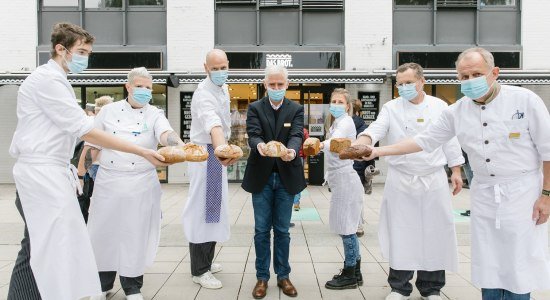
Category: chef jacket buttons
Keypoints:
(488, 160)
(484, 124)
(492, 175)
(483, 107)
(111, 161)
(486, 142)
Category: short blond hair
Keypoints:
(487, 56)
(102, 101)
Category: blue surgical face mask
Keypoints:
(337, 110)
(219, 77)
(474, 88)
(407, 91)
(78, 62)
(142, 95)
(276, 95)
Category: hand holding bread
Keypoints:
(172, 154)
(339, 144)
(312, 146)
(355, 152)
(228, 151)
(274, 149)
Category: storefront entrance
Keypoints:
(314, 97)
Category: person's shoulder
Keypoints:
(393, 103)
(517, 92)
(257, 103)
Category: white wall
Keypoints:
(189, 33)
(19, 35)
(177, 173)
(535, 33)
(368, 34)
(8, 122)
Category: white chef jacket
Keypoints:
(209, 108)
(49, 121)
(416, 229)
(506, 141)
(400, 119)
(140, 126)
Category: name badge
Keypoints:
(420, 120)
(287, 125)
(514, 135)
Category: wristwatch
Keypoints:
(546, 192)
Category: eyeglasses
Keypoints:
(403, 84)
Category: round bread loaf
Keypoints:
(172, 154)
(355, 152)
(312, 146)
(228, 151)
(195, 153)
(274, 149)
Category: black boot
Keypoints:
(345, 280)
(358, 274)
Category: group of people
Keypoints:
(504, 130)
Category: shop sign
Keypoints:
(370, 106)
(291, 60)
(185, 105)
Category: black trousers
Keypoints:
(202, 256)
(130, 285)
(427, 282)
(22, 284)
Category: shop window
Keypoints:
(446, 60)
(279, 3)
(456, 3)
(413, 2)
(498, 2)
(60, 3)
(146, 2)
(99, 4)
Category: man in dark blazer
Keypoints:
(274, 182)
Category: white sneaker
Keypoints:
(208, 281)
(103, 296)
(432, 297)
(134, 297)
(215, 268)
(396, 296)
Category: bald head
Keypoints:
(216, 56)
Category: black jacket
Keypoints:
(261, 128)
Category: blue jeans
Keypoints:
(351, 250)
(501, 294)
(92, 170)
(298, 196)
(272, 209)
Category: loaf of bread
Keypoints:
(172, 154)
(355, 152)
(228, 151)
(274, 149)
(339, 144)
(195, 153)
(312, 146)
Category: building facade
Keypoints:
(325, 44)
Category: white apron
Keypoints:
(416, 229)
(508, 250)
(346, 201)
(125, 219)
(195, 228)
(61, 254)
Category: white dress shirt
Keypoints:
(209, 108)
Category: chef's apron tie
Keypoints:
(214, 179)
(498, 199)
(74, 179)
